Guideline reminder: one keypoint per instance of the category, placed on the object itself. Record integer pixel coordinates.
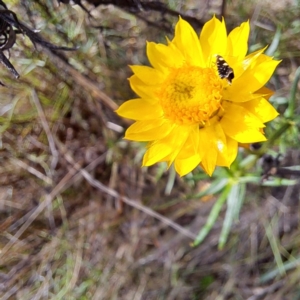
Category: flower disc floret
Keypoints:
(191, 95)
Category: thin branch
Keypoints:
(35, 212)
(97, 184)
(31, 170)
(66, 181)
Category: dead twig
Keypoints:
(65, 182)
(97, 184)
(31, 170)
(82, 80)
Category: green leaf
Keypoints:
(234, 204)
(214, 213)
(275, 42)
(280, 182)
(214, 188)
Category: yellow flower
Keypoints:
(189, 110)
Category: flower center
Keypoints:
(191, 95)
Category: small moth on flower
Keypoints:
(224, 70)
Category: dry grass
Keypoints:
(81, 220)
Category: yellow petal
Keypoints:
(139, 109)
(149, 130)
(187, 41)
(148, 75)
(261, 73)
(264, 92)
(251, 59)
(226, 159)
(251, 80)
(191, 145)
(245, 134)
(213, 39)
(220, 140)
(189, 157)
(238, 41)
(261, 108)
(222, 149)
(155, 153)
(187, 165)
(143, 90)
(242, 126)
(167, 149)
(237, 113)
(163, 57)
(177, 139)
(241, 65)
(261, 93)
(208, 149)
(209, 162)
